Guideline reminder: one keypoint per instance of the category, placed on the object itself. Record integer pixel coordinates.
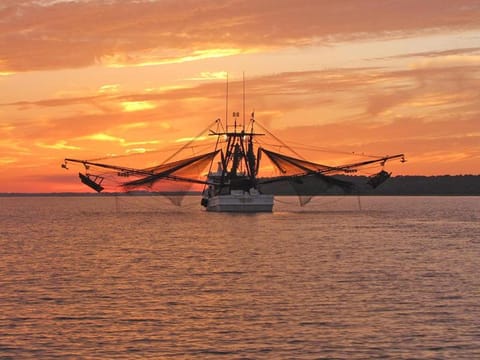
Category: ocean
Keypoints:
(140, 278)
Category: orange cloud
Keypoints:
(123, 60)
(37, 35)
(59, 145)
(129, 106)
(7, 160)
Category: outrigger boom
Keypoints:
(236, 185)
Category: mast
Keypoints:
(226, 106)
(244, 101)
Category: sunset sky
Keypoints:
(85, 79)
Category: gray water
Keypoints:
(139, 278)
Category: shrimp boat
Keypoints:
(233, 187)
(233, 181)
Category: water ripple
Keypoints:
(85, 278)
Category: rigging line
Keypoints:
(200, 146)
(219, 123)
(164, 150)
(205, 143)
(226, 104)
(303, 146)
(113, 157)
(314, 148)
(279, 147)
(279, 140)
(149, 152)
(366, 170)
(244, 101)
(188, 143)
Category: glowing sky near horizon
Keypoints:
(84, 79)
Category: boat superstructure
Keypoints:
(233, 186)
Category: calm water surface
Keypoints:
(139, 278)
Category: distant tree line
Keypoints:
(421, 185)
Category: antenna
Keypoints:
(244, 101)
(235, 117)
(226, 107)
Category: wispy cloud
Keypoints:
(59, 145)
(120, 60)
(7, 160)
(437, 53)
(130, 106)
(109, 89)
(209, 76)
(53, 35)
(102, 137)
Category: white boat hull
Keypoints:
(244, 202)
